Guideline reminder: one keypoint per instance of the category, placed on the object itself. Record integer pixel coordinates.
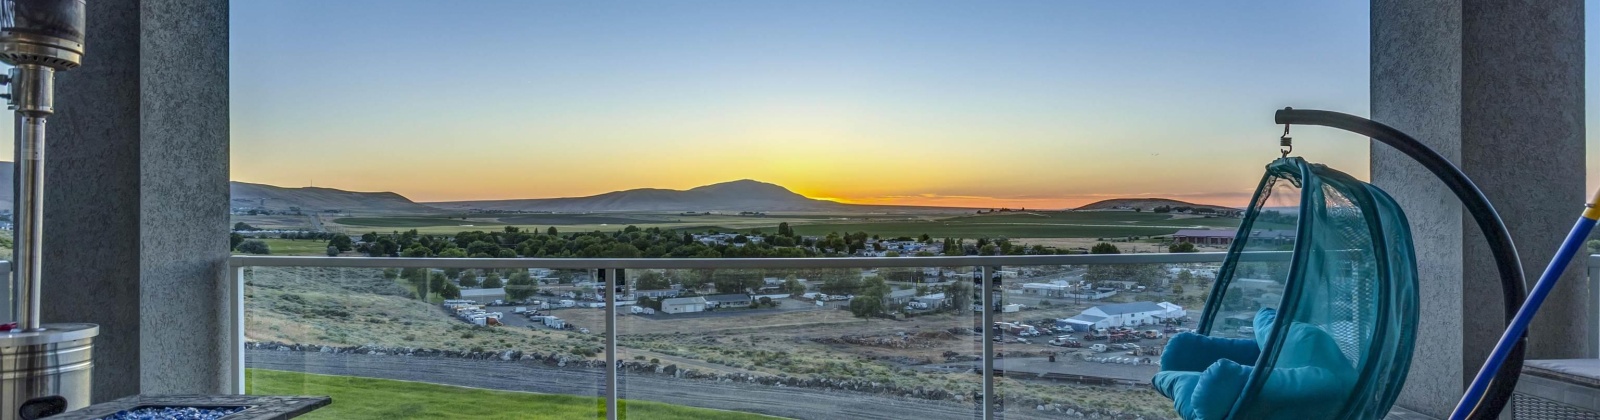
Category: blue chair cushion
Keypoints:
(1205, 376)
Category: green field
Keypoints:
(412, 222)
(295, 247)
(367, 398)
(1013, 225)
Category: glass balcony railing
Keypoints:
(1065, 335)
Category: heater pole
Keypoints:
(31, 97)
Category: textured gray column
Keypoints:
(136, 218)
(1498, 88)
(91, 232)
(183, 183)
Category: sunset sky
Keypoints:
(1043, 104)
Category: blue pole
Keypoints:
(1519, 324)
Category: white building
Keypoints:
(683, 305)
(1120, 314)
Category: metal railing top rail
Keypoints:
(238, 261)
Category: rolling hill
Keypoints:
(741, 195)
(1147, 203)
(315, 199)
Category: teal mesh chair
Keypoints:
(1322, 332)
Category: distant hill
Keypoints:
(742, 195)
(315, 199)
(1147, 204)
(309, 199)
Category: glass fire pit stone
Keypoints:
(174, 413)
(241, 407)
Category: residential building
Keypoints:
(728, 300)
(683, 305)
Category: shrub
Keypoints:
(254, 246)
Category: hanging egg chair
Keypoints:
(1314, 312)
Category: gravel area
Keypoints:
(799, 403)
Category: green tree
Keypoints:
(450, 291)
(333, 251)
(846, 284)
(234, 240)
(1177, 289)
(865, 306)
(552, 231)
(960, 295)
(245, 227)
(453, 253)
(416, 251)
(254, 246)
(521, 285)
(652, 280)
(1181, 247)
(469, 279)
(1104, 248)
(436, 282)
(793, 287)
(492, 281)
(1184, 276)
(342, 242)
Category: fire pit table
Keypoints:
(255, 407)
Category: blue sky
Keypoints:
(929, 102)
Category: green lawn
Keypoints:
(367, 398)
(295, 247)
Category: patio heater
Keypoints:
(44, 369)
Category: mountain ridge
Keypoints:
(1147, 203)
(740, 195)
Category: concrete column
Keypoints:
(1498, 88)
(137, 195)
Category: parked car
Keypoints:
(1097, 348)
(1066, 341)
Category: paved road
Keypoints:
(316, 223)
(799, 403)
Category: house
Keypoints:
(728, 300)
(933, 300)
(1212, 237)
(896, 298)
(1219, 237)
(683, 305)
(1118, 315)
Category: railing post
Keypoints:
(612, 282)
(987, 321)
(236, 348)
